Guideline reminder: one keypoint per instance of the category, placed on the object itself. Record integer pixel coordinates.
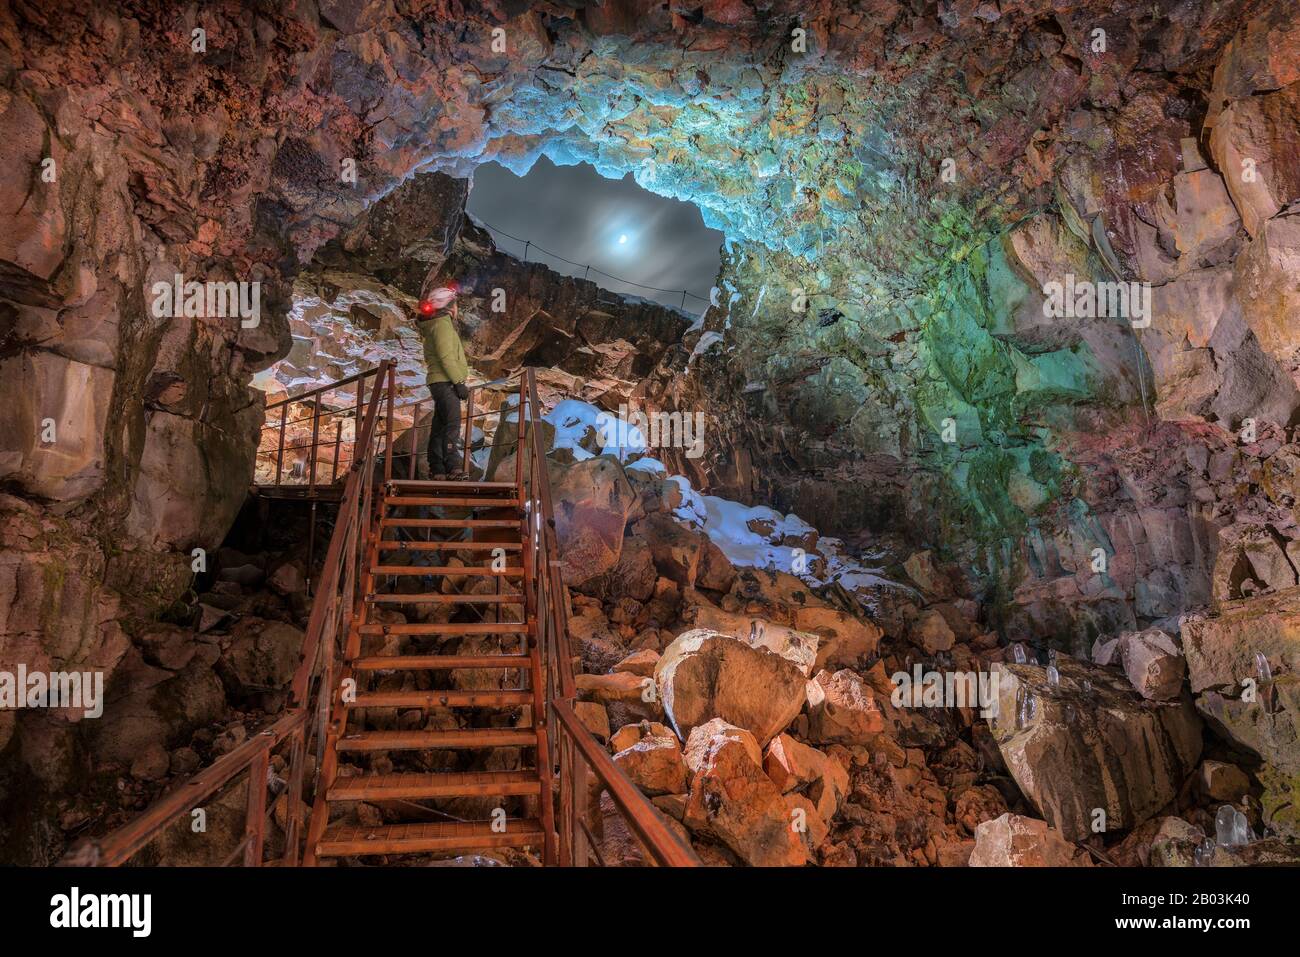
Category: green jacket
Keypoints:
(444, 356)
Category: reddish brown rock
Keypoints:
(846, 640)
(655, 764)
(734, 802)
(842, 710)
(705, 674)
(1014, 841)
(592, 500)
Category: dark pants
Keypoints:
(443, 454)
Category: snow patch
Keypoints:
(573, 419)
(647, 464)
(727, 524)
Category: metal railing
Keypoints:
(286, 464)
(326, 626)
(575, 752)
(571, 754)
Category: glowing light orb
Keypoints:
(622, 239)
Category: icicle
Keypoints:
(1053, 676)
(1262, 668)
(1031, 706)
(1240, 829)
(1203, 856)
(1018, 653)
(1225, 825)
(1087, 686)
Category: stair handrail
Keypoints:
(575, 751)
(311, 681)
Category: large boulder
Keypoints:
(706, 674)
(1153, 662)
(594, 640)
(774, 588)
(842, 710)
(715, 571)
(655, 764)
(592, 500)
(801, 647)
(1076, 749)
(675, 549)
(932, 632)
(734, 802)
(633, 575)
(1015, 841)
(261, 655)
(846, 640)
(794, 766)
(147, 706)
(1243, 666)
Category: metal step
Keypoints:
(419, 546)
(426, 485)
(438, 598)
(350, 841)
(419, 571)
(427, 740)
(450, 522)
(441, 699)
(451, 628)
(415, 786)
(438, 662)
(461, 501)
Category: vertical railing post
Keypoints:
(338, 441)
(415, 441)
(525, 376)
(578, 787)
(469, 432)
(315, 439)
(388, 433)
(293, 795)
(279, 455)
(255, 819)
(356, 416)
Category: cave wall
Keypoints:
(815, 136)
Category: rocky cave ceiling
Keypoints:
(899, 184)
(896, 181)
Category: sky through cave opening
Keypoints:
(636, 243)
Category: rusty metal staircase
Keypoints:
(493, 516)
(412, 568)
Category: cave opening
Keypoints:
(608, 229)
